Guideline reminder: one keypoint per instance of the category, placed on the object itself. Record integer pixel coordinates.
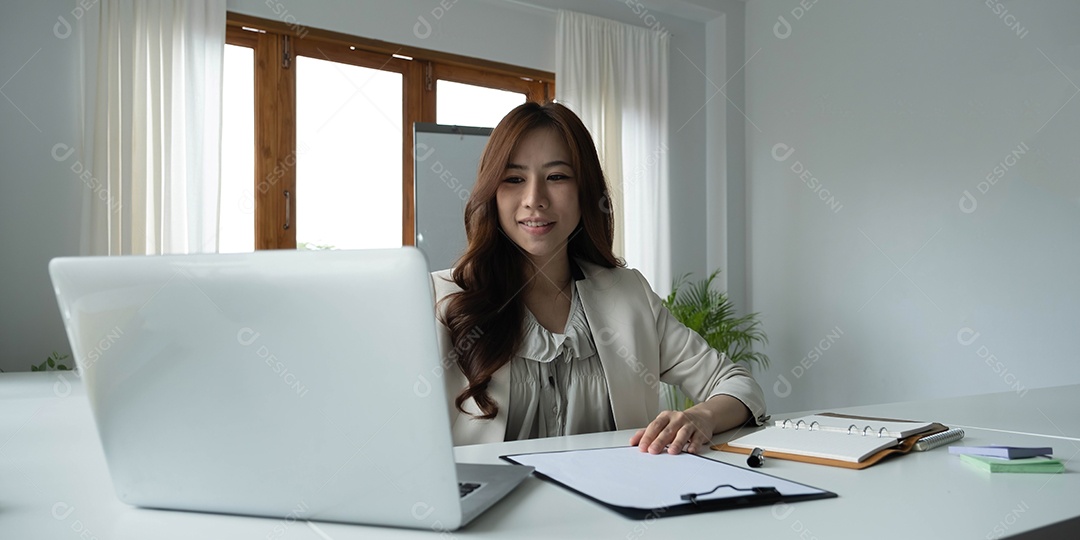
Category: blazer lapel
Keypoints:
(612, 332)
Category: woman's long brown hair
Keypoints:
(491, 273)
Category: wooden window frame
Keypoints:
(276, 46)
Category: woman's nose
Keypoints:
(535, 194)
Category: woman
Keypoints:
(543, 330)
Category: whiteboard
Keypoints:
(445, 161)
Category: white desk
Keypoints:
(54, 484)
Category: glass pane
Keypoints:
(348, 156)
(237, 205)
(458, 104)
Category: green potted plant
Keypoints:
(711, 314)
(53, 362)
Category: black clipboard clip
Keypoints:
(757, 494)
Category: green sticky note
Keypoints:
(1027, 465)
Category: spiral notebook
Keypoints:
(853, 442)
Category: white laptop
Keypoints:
(302, 385)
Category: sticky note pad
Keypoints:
(1027, 465)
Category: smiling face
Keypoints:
(538, 196)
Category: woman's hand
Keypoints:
(692, 428)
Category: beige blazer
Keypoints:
(639, 344)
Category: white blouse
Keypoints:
(557, 383)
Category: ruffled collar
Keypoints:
(540, 345)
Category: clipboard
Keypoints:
(639, 485)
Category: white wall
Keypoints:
(40, 197)
(898, 109)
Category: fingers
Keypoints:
(652, 439)
(683, 436)
(673, 430)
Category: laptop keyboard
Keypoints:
(465, 488)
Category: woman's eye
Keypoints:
(513, 180)
(557, 176)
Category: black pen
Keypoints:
(756, 459)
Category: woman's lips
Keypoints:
(537, 227)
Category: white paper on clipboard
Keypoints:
(626, 476)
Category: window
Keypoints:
(317, 136)
(462, 104)
(237, 205)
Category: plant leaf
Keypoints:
(710, 314)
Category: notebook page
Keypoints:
(897, 430)
(822, 444)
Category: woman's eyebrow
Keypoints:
(547, 165)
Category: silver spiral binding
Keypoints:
(938, 439)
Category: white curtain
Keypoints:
(615, 77)
(152, 126)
